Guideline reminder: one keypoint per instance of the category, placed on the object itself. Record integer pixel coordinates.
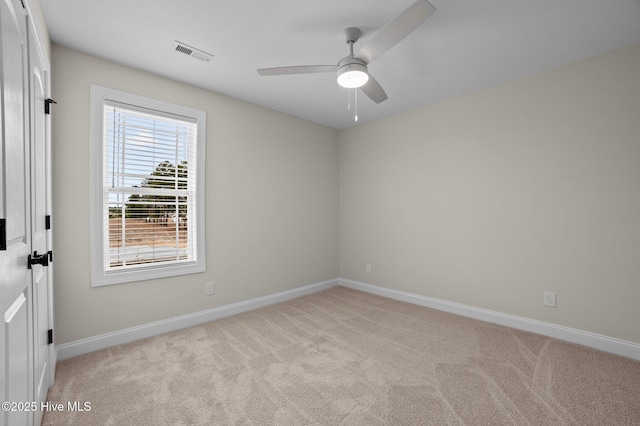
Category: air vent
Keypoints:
(191, 51)
(182, 49)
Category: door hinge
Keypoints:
(47, 105)
(3, 234)
(47, 222)
(50, 336)
(50, 253)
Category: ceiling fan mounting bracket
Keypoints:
(351, 34)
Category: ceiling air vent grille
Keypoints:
(191, 51)
(184, 49)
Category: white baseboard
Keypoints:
(593, 340)
(83, 346)
(585, 338)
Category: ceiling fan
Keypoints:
(352, 70)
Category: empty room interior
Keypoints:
(239, 231)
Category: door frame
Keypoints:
(33, 29)
(38, 72)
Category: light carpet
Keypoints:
(344, 357)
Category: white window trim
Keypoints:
(99, 277)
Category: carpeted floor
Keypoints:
(343, 357)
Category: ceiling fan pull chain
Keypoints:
(349, 103)
(355, 91)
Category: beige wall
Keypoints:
(271, 204)
(488, 199)
(492, 198)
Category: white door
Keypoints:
(39, 228)
(16, 361)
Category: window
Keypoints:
(147, 189)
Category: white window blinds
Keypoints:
(149, 197)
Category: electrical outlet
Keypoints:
(367, 268)
(549, 299)
(209, 289)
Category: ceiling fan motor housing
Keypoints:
(352, 72)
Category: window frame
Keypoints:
(99, 276)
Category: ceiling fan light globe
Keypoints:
(352, 76)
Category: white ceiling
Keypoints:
(465, 46)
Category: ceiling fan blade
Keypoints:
(374, 91)
(396, 30)
(302, 69)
